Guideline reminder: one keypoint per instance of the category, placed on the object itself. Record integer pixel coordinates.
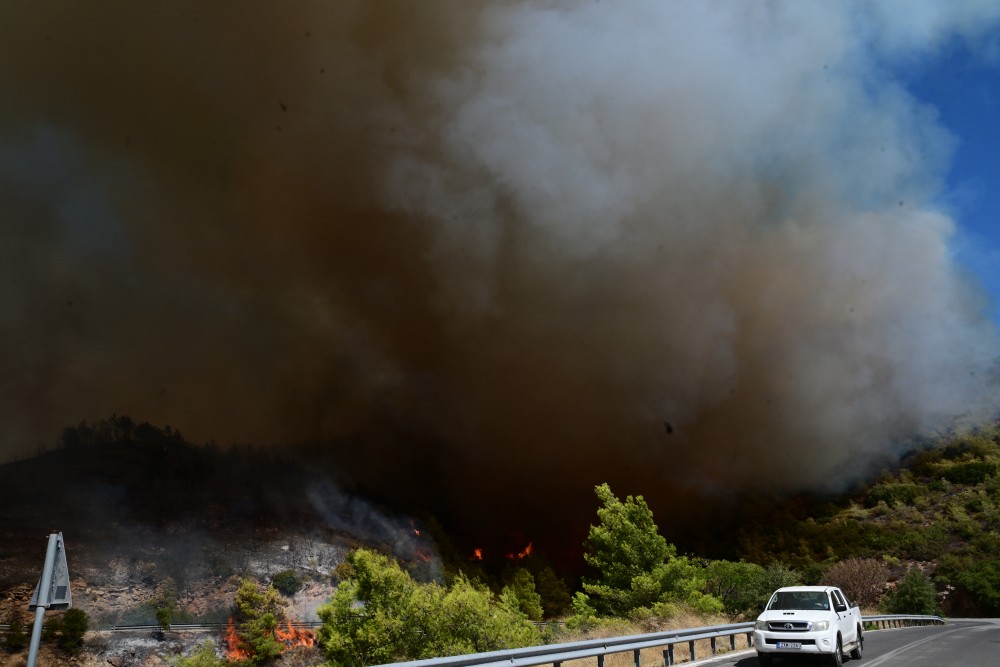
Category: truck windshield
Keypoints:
(800, 600)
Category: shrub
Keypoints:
(204, 655)
(67, 632)
(379, 614)
(863, 580)
(914, 594)
(973, 472)
(982, 579)
(553, 591)
(17, 638)
(894, 492)
(288, 582)
(737, 585)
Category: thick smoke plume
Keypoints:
(511, 248)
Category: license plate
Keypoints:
(789, 644)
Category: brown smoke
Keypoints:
(534, 246)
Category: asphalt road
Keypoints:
(964, 642)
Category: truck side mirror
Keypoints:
(840, 608)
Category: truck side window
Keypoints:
(837, 599)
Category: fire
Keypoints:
(293, 636)
(290, 636)
(521, 555)
(235, 649)
(477, 554)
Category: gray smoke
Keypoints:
(518, 241)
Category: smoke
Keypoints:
(515, 248)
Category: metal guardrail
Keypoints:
(900, 620)
(555, 654)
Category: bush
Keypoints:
(740, 586)
(914, 594)
(973, 472)
(894, 492)
(379, 614)
(863, 580)
(982, 579)
(204, 656)
(554, 593)
(17, 638)
(288, 582)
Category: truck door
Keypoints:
(845, 620)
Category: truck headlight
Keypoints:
(821, 625)
(761, 625)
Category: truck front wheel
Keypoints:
(856, 651)
(837, 659)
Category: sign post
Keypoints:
(52, 592)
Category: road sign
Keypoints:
(60, 596)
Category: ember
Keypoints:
(477, 555)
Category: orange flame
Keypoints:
(477, 554)
(290, 636)
(293, 636)
(235, 649)
(521, 555)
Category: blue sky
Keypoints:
(964, 86)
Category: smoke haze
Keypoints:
(511, 247)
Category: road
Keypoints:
(965, 642)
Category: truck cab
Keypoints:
(809, 620)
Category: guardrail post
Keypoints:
(749, 639)
(600, 660)
(732, 642)
(668, 655)
(712, 640)
(691, 649)
(635, 658)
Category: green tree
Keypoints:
(981, 578)
(522, 588)
(914, 594)
(553, 591)
(738, 585)
(256, 615)
(379, 614)
(638, 567)
(165, 603)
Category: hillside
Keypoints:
(939, 511)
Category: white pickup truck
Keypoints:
(808, 620)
